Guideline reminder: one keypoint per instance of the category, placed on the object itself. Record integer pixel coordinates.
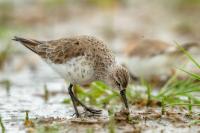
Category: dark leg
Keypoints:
(73, 99)
(93, 111)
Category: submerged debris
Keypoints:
(27, 122)
(50, 120)
(123, 115)
(3, 129)
(4, 56)
(89, 120)
(46, 93)
(7, 84)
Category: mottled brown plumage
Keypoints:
(81, 60)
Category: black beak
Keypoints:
(123, 95)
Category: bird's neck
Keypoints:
(107, 74)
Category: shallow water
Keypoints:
(25, 94)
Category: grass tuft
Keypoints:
(7, 84)
(3, 129)
(163, 106)
(46, 93)
(189, 105)
(111, 125)
(99, 94)
(148, 91)
(196, 76)
(4, 55)
(90, 130)
(195, 122)
(27, 122)
(177, 91)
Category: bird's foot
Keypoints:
(75, 114)
(88, 112)
(93, 112)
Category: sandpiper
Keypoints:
(81, 60)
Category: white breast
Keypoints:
(76, 71)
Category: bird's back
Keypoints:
(66, 50)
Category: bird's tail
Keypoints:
(29, 43)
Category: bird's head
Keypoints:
(119, 79)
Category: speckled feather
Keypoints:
(86, 51)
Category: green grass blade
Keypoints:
(188, 55)
(183, 104)
(196, 76)
(165, 88)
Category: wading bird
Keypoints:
(81, 60)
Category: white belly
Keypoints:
(76, 70)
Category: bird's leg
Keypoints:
(73, 100)
(89, 109)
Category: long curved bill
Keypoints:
(124, 99)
